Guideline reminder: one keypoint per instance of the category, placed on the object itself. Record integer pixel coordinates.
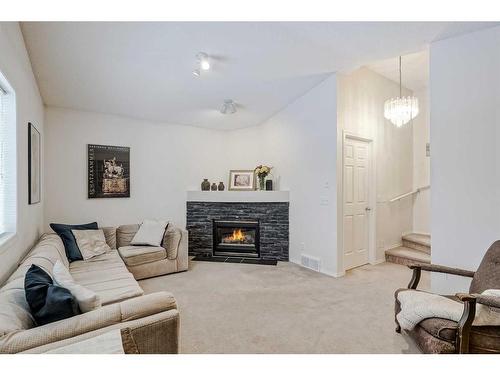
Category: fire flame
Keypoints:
(237, 235)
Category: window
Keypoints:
(8, 201)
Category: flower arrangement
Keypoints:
(262, 171)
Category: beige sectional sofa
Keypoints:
(150, 261)
(153, 319)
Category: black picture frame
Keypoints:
(108, 171)
(34, 164)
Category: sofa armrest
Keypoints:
(149, 304)
(122, 312)
(183, 252)
(154, 334)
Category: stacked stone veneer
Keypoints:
(272, 217)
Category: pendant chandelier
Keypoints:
(401, 110)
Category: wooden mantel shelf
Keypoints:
(238, 196)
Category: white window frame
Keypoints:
(8, 165)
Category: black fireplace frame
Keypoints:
(238, 251)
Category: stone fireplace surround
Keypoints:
(269, 208)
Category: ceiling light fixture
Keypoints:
(228, 107)
(401, 110)
(203, 60)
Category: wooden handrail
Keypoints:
(409, 193)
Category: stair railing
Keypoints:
(416, 191)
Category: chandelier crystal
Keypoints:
(401, 110)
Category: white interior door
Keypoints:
(357, 156)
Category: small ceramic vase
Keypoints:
(205, 185)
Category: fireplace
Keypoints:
(236, 238)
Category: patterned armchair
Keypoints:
(436, 335)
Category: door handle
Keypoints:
(368, 209)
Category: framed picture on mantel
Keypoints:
(242, 180)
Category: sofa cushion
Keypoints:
(91, 242)
(428, 343)
(88, 300)
(136, 255)
(440, 328)
(106, 275)
(110, 235)
(64, 231)
(125, 233)
(172, 240)
(150, 233)
(48, 302)
(15, 312)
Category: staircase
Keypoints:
(416, 249)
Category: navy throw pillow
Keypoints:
(69, 241)
(48, 302)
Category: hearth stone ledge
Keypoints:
(238, 196)
(273, 218)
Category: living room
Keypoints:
(249, 187)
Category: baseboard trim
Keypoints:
(377, 261)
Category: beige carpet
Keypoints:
(240, 308)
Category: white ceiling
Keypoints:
(415, 69)
(143, 70)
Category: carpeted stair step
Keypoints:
(405, 255)
(420, 242)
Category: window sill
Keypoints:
(6, 241)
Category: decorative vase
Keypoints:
(262, 183)
(269, 185)
(221, 186)
(205, 185)
(214, 187)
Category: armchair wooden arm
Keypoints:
(465, 322)
(464, 325)
(418, 267)
(491, 301)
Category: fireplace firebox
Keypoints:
(236, 238)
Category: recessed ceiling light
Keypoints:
(228, 107)
(203, 60)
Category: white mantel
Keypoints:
(238, 196)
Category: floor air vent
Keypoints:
(310, 262)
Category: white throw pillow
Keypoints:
(150, 233)
(91, 242)
(87, 299)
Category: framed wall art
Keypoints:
(108, 171)
(34, 164)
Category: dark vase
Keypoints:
(205, 185)
(221, 186)
(269, 184)
(214, 187)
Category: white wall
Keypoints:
(361, 98)
(465, 168)
(300, 143)
(16, 67)
(421, 165)
(166, 161)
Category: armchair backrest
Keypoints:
(487, 275)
